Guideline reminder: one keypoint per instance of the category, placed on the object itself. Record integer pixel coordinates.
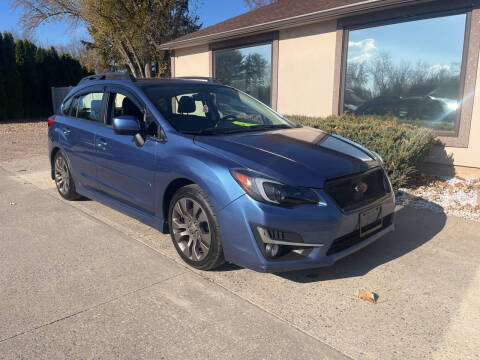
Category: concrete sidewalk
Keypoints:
(84, 281)
(73, 287)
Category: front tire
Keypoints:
(194, 228)
(63, 177)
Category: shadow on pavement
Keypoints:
(227, 267)
(414, 227)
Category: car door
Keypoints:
(126, 172)
(82, 119)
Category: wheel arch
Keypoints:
(171, 189)
(54, 152)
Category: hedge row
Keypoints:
(402, 146)
(26, 74)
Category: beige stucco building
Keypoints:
(320, 58)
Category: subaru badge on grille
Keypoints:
(361, 187)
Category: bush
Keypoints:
(402, 146)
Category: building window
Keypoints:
(248, 69)
(411, 70)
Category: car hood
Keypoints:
(299, 156)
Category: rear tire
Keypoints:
(194, 228)
(63, 177)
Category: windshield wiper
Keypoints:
(218, 131)
(209, 131)
(260, 128)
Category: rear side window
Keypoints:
(70, 107)
(90, 106)
(67, 106)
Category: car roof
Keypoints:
(174, 81)
(126, 78)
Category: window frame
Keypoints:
(459, 136)
(84, 91)
(248, 42)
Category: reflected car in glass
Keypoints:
(408, 68)
(433, 112)
(230, 179)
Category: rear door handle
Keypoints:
(101, 144)
(66, 131)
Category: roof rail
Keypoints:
(108, 76)
(204, 78)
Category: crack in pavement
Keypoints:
(91, 307)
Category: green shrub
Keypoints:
(402, 146)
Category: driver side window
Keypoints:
(123, 105)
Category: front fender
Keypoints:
(209, 171)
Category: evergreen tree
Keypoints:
(3, 95)
(30, 80)
(27, 67)
(28, 72)
(12, 81)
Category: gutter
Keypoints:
(322, 15)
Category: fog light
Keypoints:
(272, 250)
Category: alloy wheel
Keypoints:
(191, 229)
(62, 175)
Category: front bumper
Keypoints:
(318, 227)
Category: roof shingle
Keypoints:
(282, 9)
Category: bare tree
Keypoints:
(124, 32)
(382, 76)
(252, 4)
(381, 69)
(88, 57)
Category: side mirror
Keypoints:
(126, 125)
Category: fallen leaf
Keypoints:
(368, 296)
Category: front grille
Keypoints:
(347, 191)
(354, 237)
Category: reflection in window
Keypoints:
(410, 70)
(248, 69)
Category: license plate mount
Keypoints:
(370, 221)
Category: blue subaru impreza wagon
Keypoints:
(229, 178)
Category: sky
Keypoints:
(438, 42)
(210, 12)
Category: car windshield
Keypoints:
(209, 109)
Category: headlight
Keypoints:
(377, 157)
(268, 190)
